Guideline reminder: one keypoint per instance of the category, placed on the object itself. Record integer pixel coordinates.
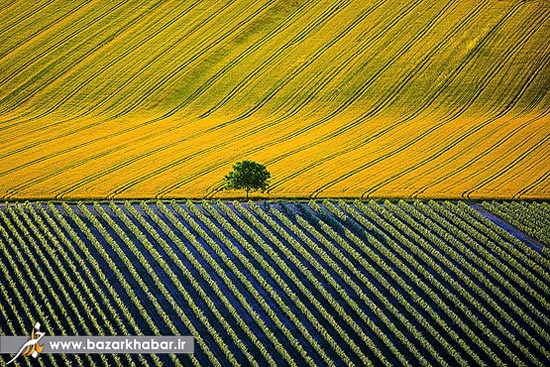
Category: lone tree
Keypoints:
(247, 175)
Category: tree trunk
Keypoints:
(247, 194)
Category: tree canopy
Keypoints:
(247, 175)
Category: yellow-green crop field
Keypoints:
(411, 98)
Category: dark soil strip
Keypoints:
(515, 231)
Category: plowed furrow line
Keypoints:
(44, 28)
(543, 181)
(539, 181)
(469, 132)
(503, 170)
(281, 27)
(486, 39)
(108, 95)
(362, 118)
(135, 74)
(115, 60)
(73, 30)
(31, 12)
(148, 90)
(539, 97)
(19, 96)
(386, 100)
(7, 5)
(30, 183)
(302, 96)
(312, 27)
(394, 90)
(467, 100)
(14, 190)
(438, 91)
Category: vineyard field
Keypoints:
(339, 99)
(283, 283)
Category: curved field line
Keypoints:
(26, 15)
(295, 40)
(532, 185)
(287, 79)
(88, 126)
(135, 74)
(65, 66)
(30, 183)
(457, 71)
(99, 72)
(250, 50)
(8, 5)
(297, 105)
(465, 136)
(540, 96)
(183, 65)
(382, 101)
(192, 58)
(171, 112)
(253, 48)
(311, 59)
(246, 80)
(114, 61)
(76, 28)
(68, 37)
(503, 170)
(288, 137)
(44, 28)
(311, 27)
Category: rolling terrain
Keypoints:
(427, 99)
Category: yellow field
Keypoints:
(114, 99)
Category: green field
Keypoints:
(282, 283)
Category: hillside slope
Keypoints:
(338, 98)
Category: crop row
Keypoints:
(532, 218)
(288, 283)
